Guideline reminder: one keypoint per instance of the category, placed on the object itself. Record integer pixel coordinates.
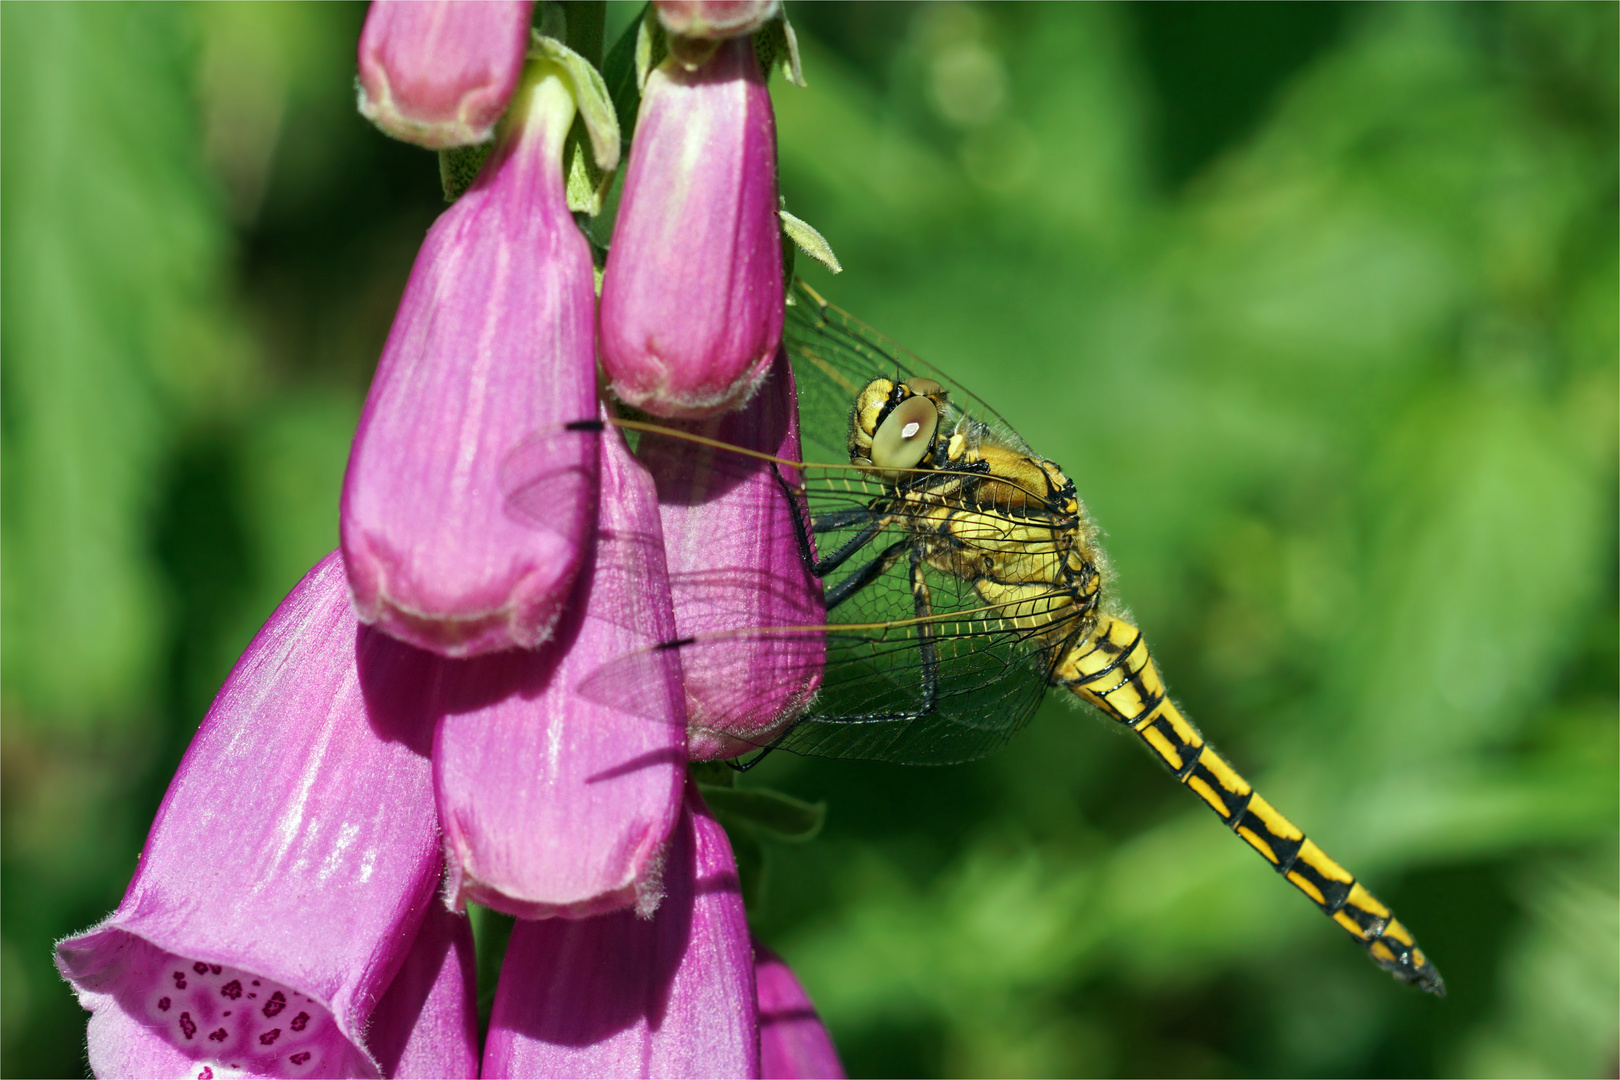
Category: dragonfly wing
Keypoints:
(919, 662)
(870, 704)
(552, 468)
(835, 355)
(986, 675)
(744, 686)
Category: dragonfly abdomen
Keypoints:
(1111, 669)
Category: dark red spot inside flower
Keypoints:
(299, 1021)
(200, 968)
(179, 980)
(276, 1003)
(206, 1074)
(217, 1035)
(300, 1057)
(232, 989)
(163, 1004)
(187, 1025)
(227, 1012)
(215, 968)
(270, 1036)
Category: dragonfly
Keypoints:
(962, 579)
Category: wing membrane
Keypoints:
(947, 679)
(835, 355)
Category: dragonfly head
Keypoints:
(894, 424)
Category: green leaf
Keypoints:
(114, 248)
(773, 815)
(619, 74)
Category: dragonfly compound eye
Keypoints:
(905, 434)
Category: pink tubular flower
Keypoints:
(439, 73)
(283, 920)
(286, 880)
(692, 295)
(451, 541)
(793, 1042)
(736, 563)
(552, 804)
(619, 995)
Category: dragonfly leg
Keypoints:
(841, 519)
(925, 633)
(738, 765)
(871, 523)
(1111, 669)
(867, 574)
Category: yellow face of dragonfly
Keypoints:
(893, 425)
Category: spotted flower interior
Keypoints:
(232, 1022)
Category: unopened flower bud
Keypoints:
(459, 537)
(692, 298)
(439, 73)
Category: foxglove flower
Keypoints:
(793, 1042)
(552, 804)
(619, 995)
(452, 542)
(439, 73)
(285, 883)
(743, 594)
(692, 295)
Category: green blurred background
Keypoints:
(1316, 303)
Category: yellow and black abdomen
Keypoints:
(1111, 669)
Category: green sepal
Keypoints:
(458, 168)
(811, 242)
(591, 96)
(769, 814)
(597, 124)
(652, 45)
(775, 44)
